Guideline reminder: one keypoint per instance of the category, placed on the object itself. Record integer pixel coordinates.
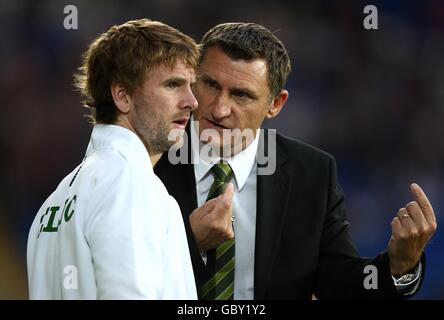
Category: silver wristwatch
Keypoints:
(407, 278)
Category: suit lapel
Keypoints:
(183, 187)
(272, 198)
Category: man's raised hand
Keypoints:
(412, 229)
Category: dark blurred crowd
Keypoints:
(372, 98)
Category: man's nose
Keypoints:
(221, 107)
(190, 102)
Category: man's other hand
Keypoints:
(412, 228)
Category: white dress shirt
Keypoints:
(110, 230)
(244, 166)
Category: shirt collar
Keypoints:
(113, 136)
(241, 163)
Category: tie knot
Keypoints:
(222, 171)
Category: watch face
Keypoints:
(406, 278)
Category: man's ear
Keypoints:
(277, 104)
(121, 99)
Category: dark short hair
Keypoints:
(124, 54)
(246, 41)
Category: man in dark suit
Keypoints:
(289, 236)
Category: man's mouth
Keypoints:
(216, 125)
(181, 122)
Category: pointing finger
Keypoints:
(222, 210)
(228, 194)
(423, 202)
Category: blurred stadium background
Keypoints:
(374, 99)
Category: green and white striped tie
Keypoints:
(221, 285)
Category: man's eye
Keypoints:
(172, 85)
(211, 83)
(240, 94)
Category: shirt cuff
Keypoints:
(409, 283)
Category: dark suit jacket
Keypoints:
(303, 244)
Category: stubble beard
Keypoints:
(154, 133)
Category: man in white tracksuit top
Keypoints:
(111, 230)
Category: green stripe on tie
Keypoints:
(218, 277)
(223, 248)
(227, 293)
